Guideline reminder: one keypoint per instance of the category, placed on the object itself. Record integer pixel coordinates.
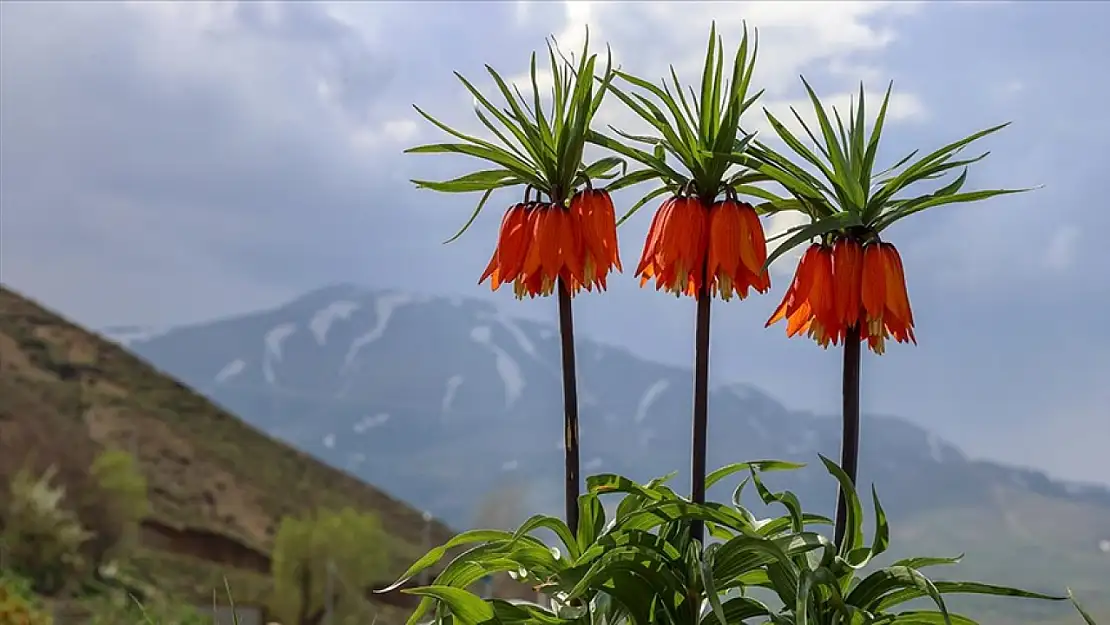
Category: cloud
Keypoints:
(1060, 253)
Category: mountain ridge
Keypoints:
(312, 317)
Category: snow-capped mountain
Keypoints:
(439, 398)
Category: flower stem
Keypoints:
(849, 442)
(701, 410)
(570, 406)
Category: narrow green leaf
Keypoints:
(436, 554)
(466, 607)
(837, 221)
(1087, 618)
(854, 522)
(759, 465)
(473, 216)
(890, 218)
(477, 181)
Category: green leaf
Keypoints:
(556, 525)
(1087, 618)
(738, 610)
(700, 133)
(969, 588)
(972, 196)
(878, 591)
(477, 181)
(758, 465)
(922, 562)
(505, 613)
(466, 607)
(926, 617)
(591, 520)
(651, 195)
(473, 216)
(837, 221)
(710, 585)
(436, 553)
(602, 483)
(853, 537)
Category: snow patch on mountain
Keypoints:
(507, 368)
(327, 315)
(384, 308)
(648, 398)
(273, 340)
(230, 370)
(370, 422)
(126, 335)
(521, 338)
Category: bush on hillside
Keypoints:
(349, 543)
(115, 505)
(41, 538)
(18, 603)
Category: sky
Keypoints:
(167, 163)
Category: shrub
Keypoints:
(18, 605)
(349, 543)
(41, 538)
(115, 505)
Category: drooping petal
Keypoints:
(899, 317)
(848, 274)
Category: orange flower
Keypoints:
(886, 304)
(835, 288)
(592, 209)
(541, 242)
(737, 250)
(689, 247)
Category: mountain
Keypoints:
(218, 487)
(443, 400)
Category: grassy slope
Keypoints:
(206, 469)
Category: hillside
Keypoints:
(218, 486)
(446, 400)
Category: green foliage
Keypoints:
(641, 568)
(847, 193)
(349, 545)
(539, 150)
(18, 604)
(701, 134)
(120, 503)
(41, 538)
(122, 609)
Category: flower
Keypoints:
(737, 250)
(540, 242)
(688, 247)
(592, 210)
(846, 285)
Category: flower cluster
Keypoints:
(541, 242)
(847, 285)
(690, 246)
